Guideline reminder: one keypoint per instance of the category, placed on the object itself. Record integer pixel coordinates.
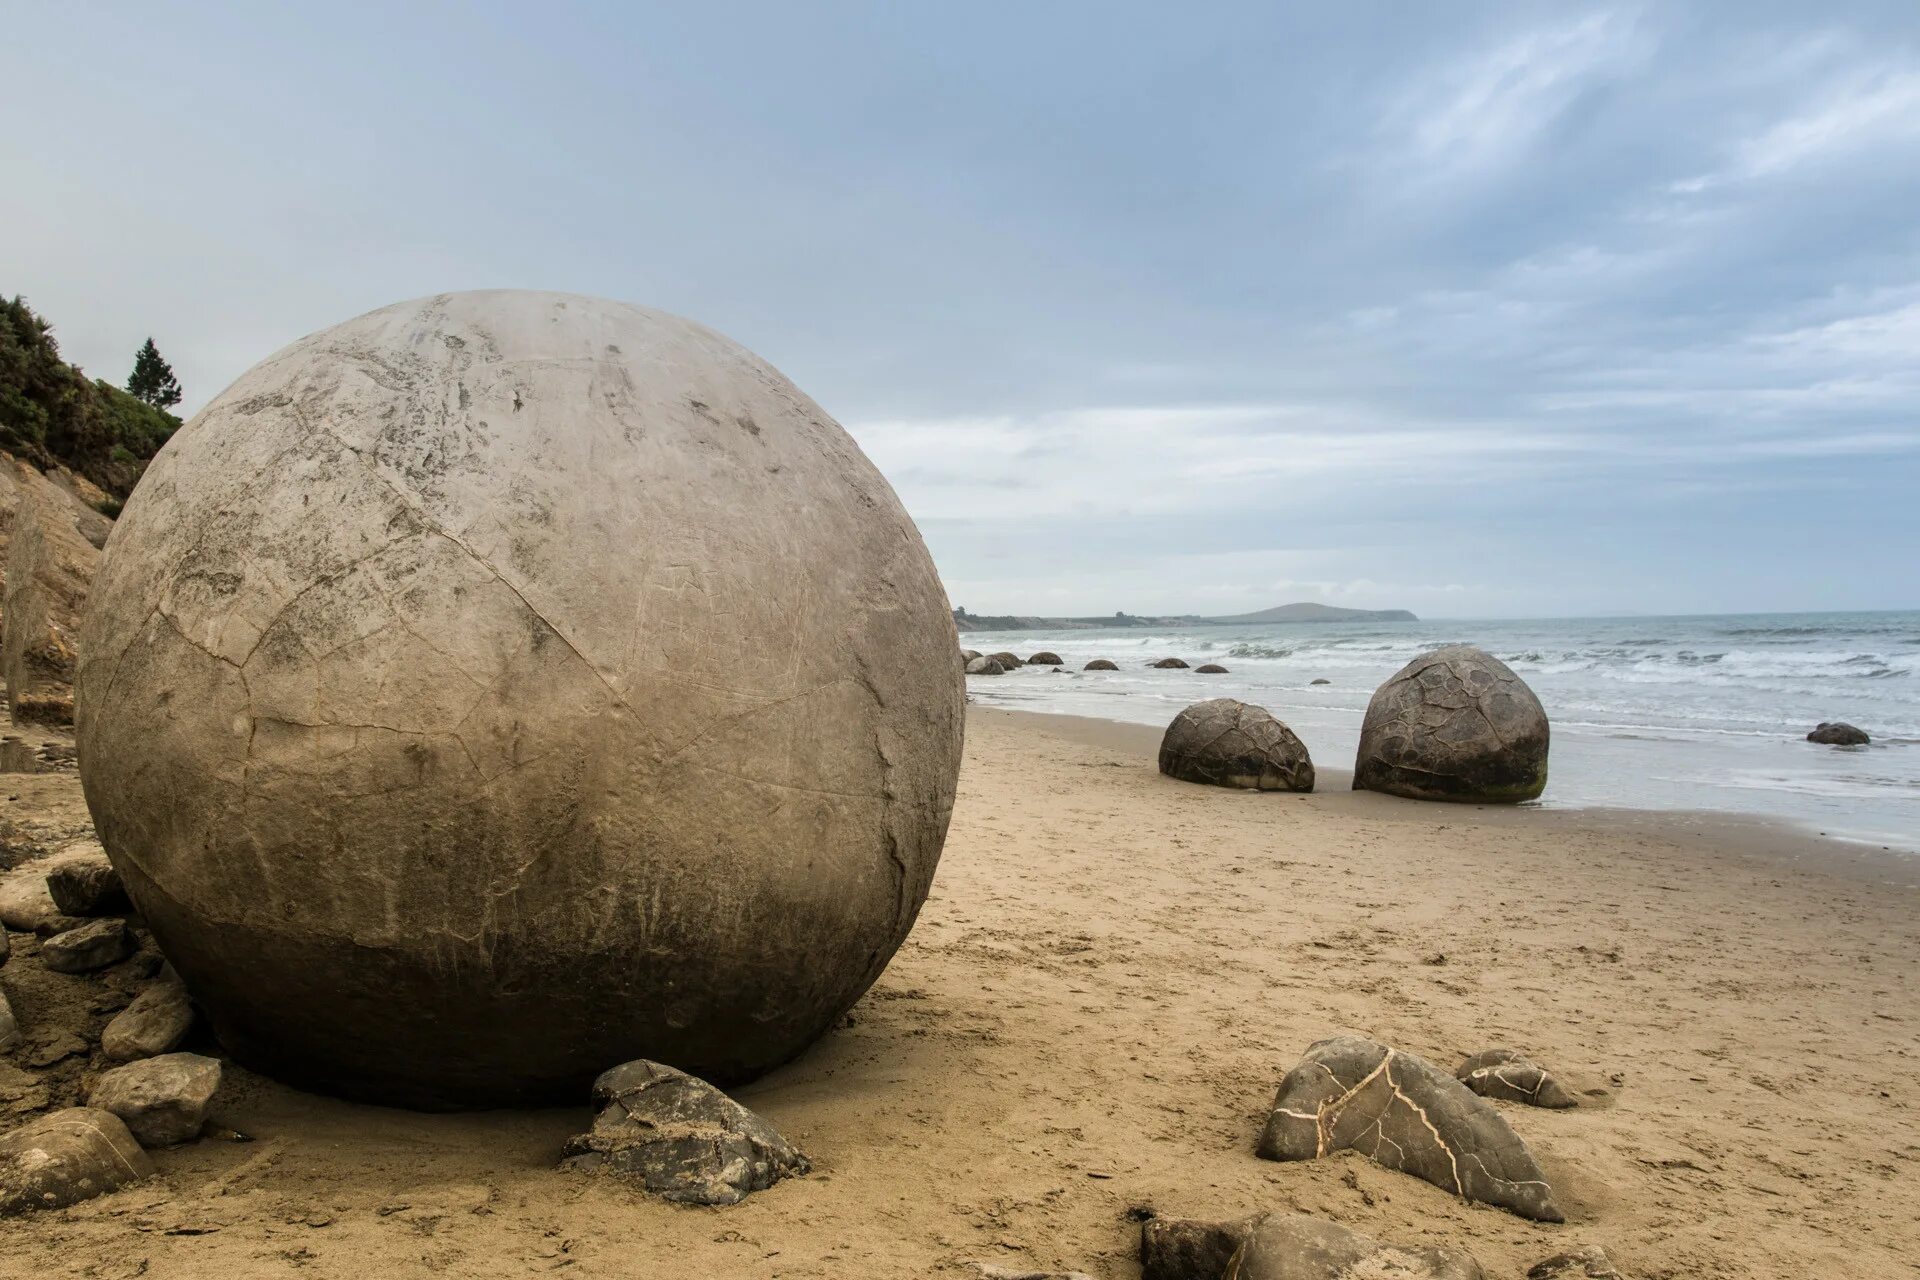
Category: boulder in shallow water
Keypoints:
(1589, 1263)
(1454, 724)
(1100, 664)
(1170, 664)
(1224, 742)
(1513, 1077)
(66, 1157)
(1044, 658)
(1210, 669)
(163, 1099)
(679, 1138)
(1007, 660)
(1838, 733)
(1290, 1246)
(1319, 680)
(94, 945)
(1349, 1092)
(984, 666)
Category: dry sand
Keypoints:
(1113, 973)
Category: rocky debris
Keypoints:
(985, 667)
(1319, 680)
(155, 1023)
(1190, 1249)
(1513, 1077)
(50, 1047)
(1589, 1263)
(679, 1137)
(1350, 1092)
(26, 905)
(1838, 733)
(87, 886)
(1228, 743)
(1100, 664)
(94, 945)
(1288, 1246)
(66, 1157)
(1169, 664)
(1210, 669)
(21, 1092)
(163, 1100)
(6, 944)
(11, 1037)
(1007, 660)
(1044, 658)
(1454, 724)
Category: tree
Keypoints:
(152, 379)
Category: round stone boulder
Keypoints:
(501, 686)
(1210, 669)
(1170, 664)
(1228, 743)
(1454, 724)
(985, 666)
(1044, 658)
(1007, 660)
(1100, 664)
(1838, 733)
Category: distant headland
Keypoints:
(1301, 612)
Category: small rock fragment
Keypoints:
(679, 1137)
(87, 887)
(1288, 1246)
(67, 1157)
(162, 1100)
(1590, 1263)
(1190, 1249)
(1350, 1092)
(156, 1022)
(1513, 1077)
(988, 1271)
(26, 905)
(54, 1046)
(92, 946)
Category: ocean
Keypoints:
(1707, 713)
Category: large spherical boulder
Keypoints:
(1007, 660)
(1454, 724)
(985, 666)
(1228, 743)
(502, 686)
(1044, 658)
(1170, 664)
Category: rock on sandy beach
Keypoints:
(94, 945)
(1290, 1246)
(162, 1100)
(155, 1023)
(985, 666)
(1044, 658)
(1228, 743)
(1513, 1077)
(1454, 724)
(1838, 733)
(85, 884)
(1350, 1092)
(66, 1157)
(1100, 664)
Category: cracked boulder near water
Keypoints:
(1454, 724)
(679, 1138)
(504, 684)
(1228, 743)
(1513, 1077)
(1289, 1246)
(1358, 1094)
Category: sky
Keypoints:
(1476, 309)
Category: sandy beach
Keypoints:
(1111, 976)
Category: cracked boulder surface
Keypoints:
(1407, 1114)
(1513, 1077)
(679, 1138)
(1289, 1246)
(1228, 743)
(496, 660)
(1454, 724)
(1588, 1263)
(65, 1157)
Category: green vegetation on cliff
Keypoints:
(51, 413)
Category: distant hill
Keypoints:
(1302, 612)
(1306, 612)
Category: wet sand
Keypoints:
(1112, 975)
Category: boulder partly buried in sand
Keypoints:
(373, 628)
(1588, 1263)
(1227, 743)
(155, 1023)
(1007, 660)
(1100, 664)
(162, 1100)
(1044, 658)
(679, 1138)
(1210, 669)
(1170, 664)
(66, 1157)
(1454, 724)
(1838, 733)
(1407, 1114)
(1513, 1077)
(1289, 1246)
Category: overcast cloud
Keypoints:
(1474, 309)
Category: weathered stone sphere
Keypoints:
(1100, 664)
(502, 686)
(985, 666)
(1454, 724)
(1228, 743)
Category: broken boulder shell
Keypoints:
(1454, 724)
(497, 660)
(1513, 1077)
(679, 1138)
(1228, 743)
(1407, 1114)
(1289, 1246)
(66, 1157)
